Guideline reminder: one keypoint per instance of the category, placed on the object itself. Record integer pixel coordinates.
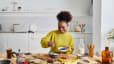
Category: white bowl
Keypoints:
(62, 49)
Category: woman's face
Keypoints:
(62, 26)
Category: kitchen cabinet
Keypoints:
(34, 42)
(86, 37)
(18, 41)
(30, 42)
(3, 43)
(88, 40)
(35, 46)
(76, 42)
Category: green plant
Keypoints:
(110, 34)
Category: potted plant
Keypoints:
(110, 38)
(110, 35)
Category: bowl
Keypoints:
(5, 61)
(54, 55)
(62, 49)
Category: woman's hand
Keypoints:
(51, 44)
(68, 48)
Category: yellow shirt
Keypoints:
(59, 39)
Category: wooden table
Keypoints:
(81, 60)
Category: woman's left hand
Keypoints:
(68, 48)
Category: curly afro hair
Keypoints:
(64, 16)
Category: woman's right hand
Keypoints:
(51, 44)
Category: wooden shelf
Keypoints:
(81, 32)
(14, 32)
(35, 13)
(28, 13)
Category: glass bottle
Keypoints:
(81, 48)
(77, 28)
(19, 58)
(107, 56)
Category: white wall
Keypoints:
(97, 25)
(107, 15)
(84, 20)
(77, 7)
(107, 19)
(47, 23)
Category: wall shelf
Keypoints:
(81, 32)
(36, 13)
(14, 32)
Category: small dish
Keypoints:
(63, 49)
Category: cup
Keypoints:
(9, 53)
(91, 50)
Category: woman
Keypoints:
(60, 37)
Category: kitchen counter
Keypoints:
(42, 58)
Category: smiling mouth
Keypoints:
(62, 32)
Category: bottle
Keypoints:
(77, 28)
(81, 48)
(19, 58)
(107, 56)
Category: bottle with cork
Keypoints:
(107, 56)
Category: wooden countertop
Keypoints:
(81, 60)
